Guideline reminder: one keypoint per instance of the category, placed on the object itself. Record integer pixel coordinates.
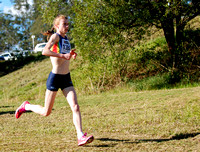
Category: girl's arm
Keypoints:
(54, 39)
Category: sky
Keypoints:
(6, 5)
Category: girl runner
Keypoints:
(59, 50)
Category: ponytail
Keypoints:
(49, 33)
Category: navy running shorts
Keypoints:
(56, 81)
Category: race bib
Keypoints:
(66, 47)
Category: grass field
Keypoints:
(164, 120)
(120, 119)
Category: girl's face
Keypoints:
(63, 26)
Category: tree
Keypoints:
(9, 35)
(106, 30)
(57, 7)
(111, 19)
(172, 16)
(23, 22)
(43, 16)
(15, 28)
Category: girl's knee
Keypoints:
(46, 113)
(75, 108)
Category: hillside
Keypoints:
(143, 67)
(119, 119)
(27, 82)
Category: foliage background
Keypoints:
(111, 55)
(119, 42)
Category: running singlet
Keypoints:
(63, 46)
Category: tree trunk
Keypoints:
(168, 28)
(179, 40)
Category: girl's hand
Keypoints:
(67, 56)
(74, 54)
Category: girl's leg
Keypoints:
(71, 97)
(49, 101)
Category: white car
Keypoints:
(39, 47)
(9, 56)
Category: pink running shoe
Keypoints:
(21, 109)
(85, 140)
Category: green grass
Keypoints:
(121, 119)
(163, 120)
(160, 81)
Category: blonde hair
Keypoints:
(55, 22)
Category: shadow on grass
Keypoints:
(137, 141)
(102, 145)
(7, 112)
(176, 137)
(109, 140)
(6, 106)
(11, 112)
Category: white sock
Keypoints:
(27, 107)
(79, 134)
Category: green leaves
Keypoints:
(8, 32)
(49, 9)
(106, 31)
